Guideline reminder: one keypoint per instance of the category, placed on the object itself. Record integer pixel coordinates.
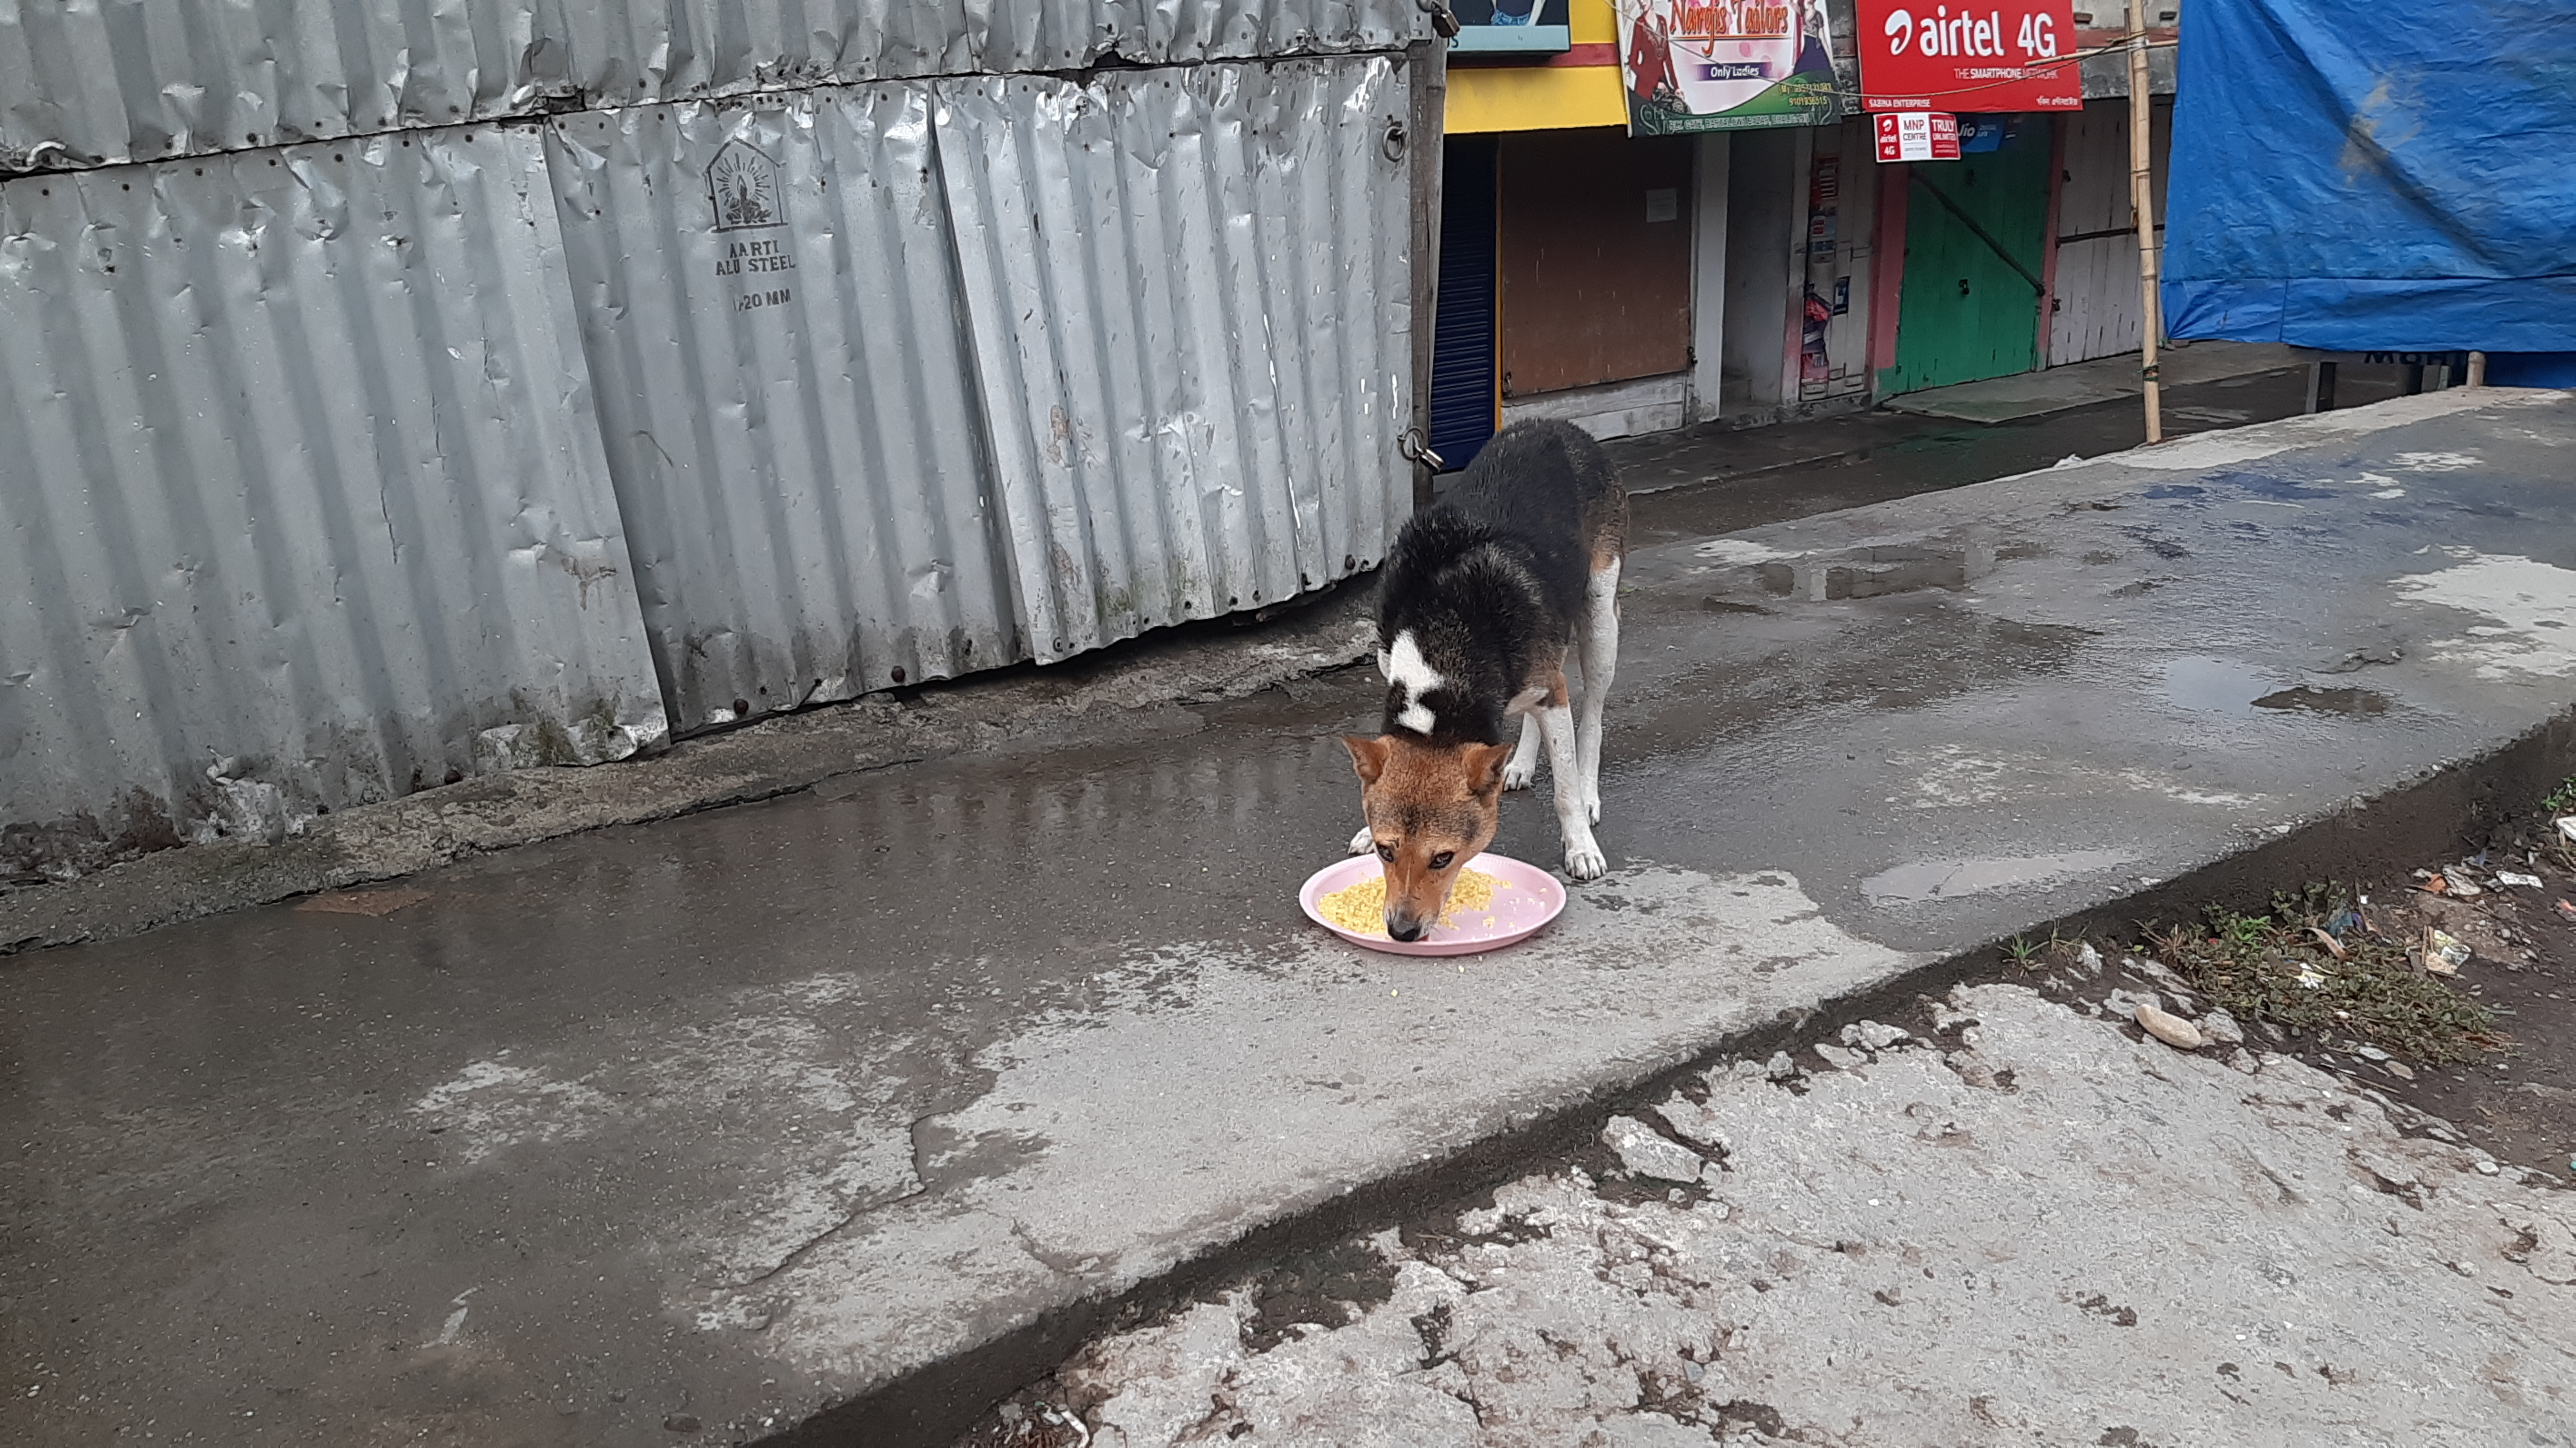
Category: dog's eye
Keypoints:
(1441, 861)
(1386, 853)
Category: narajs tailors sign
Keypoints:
(2004, 55)
(1724, 65)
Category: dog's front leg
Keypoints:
(1523, 767)
(1596, 639)
(1583, 859)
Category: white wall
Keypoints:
(1708, 276)
(2098, 311)
(1766, 186)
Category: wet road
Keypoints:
(712, 1121)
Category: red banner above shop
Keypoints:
(2000, 55)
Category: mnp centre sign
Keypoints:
(2006, 55)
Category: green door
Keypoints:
(1965, 311)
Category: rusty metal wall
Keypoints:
(769, 304)
(1190, 295)
(96, 83)
(302, 502)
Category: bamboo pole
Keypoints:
(2142, 196)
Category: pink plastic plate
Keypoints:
(1525, 899)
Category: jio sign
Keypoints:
(1964, 55)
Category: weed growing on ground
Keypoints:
(2561, 800)
(2558, 802)
(2279, 968)
(2021, 952)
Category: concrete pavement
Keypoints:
(2011, 1225)
(1744, 479)
(2082, 384)
(692, 1131)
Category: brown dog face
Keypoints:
(1430, 810)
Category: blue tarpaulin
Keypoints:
(2367, 177)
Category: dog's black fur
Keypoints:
(1490, 579)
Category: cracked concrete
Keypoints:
(2126, 1245)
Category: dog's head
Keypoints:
(1431, 808)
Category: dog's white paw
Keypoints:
(1517, 775)
(1363, 842)
(1585, 861)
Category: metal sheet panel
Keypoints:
(769, 303)
(117, 80)
(1191, 305)
(84, 84)
(302, 503)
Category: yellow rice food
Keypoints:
(1361, 908)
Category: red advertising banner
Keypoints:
(2001, 55)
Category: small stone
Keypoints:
(2221, 1029)
(2244, 1060)
(2161, 973)
(1693, 1371)
(1647, 1152)
(682, 1423)
(2171, 1029)
(2089, 958)
(1880, 1037)
(1840, 1059)
(2370, 1053)
(2398, 1069)
(1780, 1067)
(2487, 1167)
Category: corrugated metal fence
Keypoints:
(95, 82)
(341, 469)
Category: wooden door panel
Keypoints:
(1592, 290)
(1965, 313)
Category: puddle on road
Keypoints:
(1878, 572)
(2217, 686)
(1920, 881)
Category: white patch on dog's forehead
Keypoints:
(1406, 668)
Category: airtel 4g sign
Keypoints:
(1938, 55)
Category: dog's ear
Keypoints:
(1485, 769)
(1368, 756)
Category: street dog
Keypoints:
(1485, 594)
